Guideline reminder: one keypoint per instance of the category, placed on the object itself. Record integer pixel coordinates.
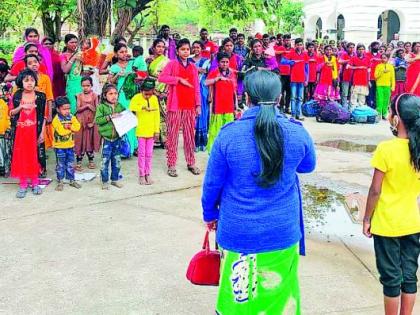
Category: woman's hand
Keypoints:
(41, 138)
(198, 110)
(185, 82)
(212, 225)
(156, 137)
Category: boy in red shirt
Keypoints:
(375, 59)
(360, 64)
(346, 73)
(313, 60)
(298, 77)
(210, 48)
(283, 52)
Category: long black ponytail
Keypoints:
(407, 107)
(264, 88)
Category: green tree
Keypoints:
(54, 13)
(15, 15)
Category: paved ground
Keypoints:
(126, 251)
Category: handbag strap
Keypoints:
(206, 242)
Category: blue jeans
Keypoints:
(65, 163)
(296, 97)
(111, 154)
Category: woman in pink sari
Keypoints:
(59, 86)
(32, 35)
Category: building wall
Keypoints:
(361, 18)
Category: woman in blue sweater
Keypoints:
(251, 194)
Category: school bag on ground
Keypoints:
(333, 112)
(311, 108)
(364, 114)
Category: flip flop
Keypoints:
(194, 170)
(172, 172)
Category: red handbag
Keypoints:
(204, 267)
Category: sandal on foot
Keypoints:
(36, 190)
(116, 184)
(59, 187)
(21, 193)
(194, 170)
(91, 165)
(75, 184)
(78, 167)
(172, 172)
(105, 186)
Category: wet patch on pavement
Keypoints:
(349, 146)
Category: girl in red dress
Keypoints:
(28, 124)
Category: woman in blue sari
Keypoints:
(202, 121)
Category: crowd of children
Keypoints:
(68, 101)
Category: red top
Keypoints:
(185, 93)
(297, 72)
(284, 69)
(313, 62)
(223, 92)
(412, 83)
(360, 76)
(210, 48)
(374, 61)
(325, 75)
(346, 73)
(20, 65)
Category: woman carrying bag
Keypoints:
(251, 193)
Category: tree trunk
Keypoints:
(48, 25)
(93, 17)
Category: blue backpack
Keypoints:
(311, 108)
(364, 114)
(125, 149)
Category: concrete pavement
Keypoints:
(126, 251)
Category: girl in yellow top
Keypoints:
(392, 213)
(5, 141)
(146, 107)
(385, 83)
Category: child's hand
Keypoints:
(185, 82)
(41, 138)
(366, 228)
(115, 115)
(156, 137)
(212, 226)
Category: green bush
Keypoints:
(7, 47)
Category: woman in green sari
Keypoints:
(156, 65)
(251, 195)
(118, 74)
(71, 64)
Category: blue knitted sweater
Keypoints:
(252, 219)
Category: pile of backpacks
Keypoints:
(334, 112)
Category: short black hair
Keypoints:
(350, 44)
(61, 101)
(233, 29)
(221, 55)
(309, 44)
(148, 84)
(29, 45)
(198, 42)
(30, 56)
(30, 30)
(287, 36)
(266, 36)
(298, 40)
(241, 35)
(138, 49)
(182, 42)
(86, 78)
(22, 75)
(203, 30)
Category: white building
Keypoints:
(362, 20)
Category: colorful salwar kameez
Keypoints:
(73, 82)
(202, 121)
(326, 88)
(263, 283)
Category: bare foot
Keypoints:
(149, 181)
(142, 180)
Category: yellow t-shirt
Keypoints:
(397, 211)
(4, 117)
(148, 115)
(64, 138)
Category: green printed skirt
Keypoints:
(217, 121)
(259, 284)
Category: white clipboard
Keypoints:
(124, 122)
